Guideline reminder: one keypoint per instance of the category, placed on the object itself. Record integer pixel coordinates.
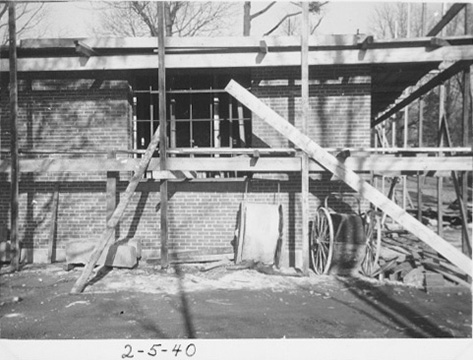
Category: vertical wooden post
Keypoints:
(440, 178)
(14, 175)
(230, 120)
(404, 192)
(241, 125)
(393, 133)
(440, 143)
(420, 177)
(466, 245)
(151, 113)
(191, 124)
(406, 125)
(419, 174)
(456, 183)
(216, 118)
(163, 131)
(172, 116)
(305, 116)
(52, 226)
(111, 192)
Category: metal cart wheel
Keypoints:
(321, 241)
(373, 243)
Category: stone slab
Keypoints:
(117, 255)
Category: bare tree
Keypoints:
(389, 20)
(314, 8)
(183, 18)
(28, 16)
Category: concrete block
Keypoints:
(79, 252)
(123, 256)
(434, 281)
(5, 252)
(415, 277)
(136, 243)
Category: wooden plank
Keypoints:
(193, 43)
(163, 134)
(172, 116)
(423, 89)
(15, 171)
(111, 193)
(305, 213)
(349, 177)
(420, 178)
(117, 215)
(441, 124)
(465, 150)
(177, 166)
(466, 113)
(305, 115)
(241, 125)
(231, 151)
(53, 225)
(242, 60)
(226, 43)
(216, 122)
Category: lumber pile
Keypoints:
(406, 259)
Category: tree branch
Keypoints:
(139, 8)
(4, 10)
(261, 12)
(281, 21)
(316, 25)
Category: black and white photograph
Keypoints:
(236, 180)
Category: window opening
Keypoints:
(200, 113)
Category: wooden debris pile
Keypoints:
(404, 258)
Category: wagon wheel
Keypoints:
(373, 243)
(321, 241)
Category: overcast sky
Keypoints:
(77, 18)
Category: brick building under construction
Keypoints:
(87, 110)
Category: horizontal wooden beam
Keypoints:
(230, 43)
(424, 89)
(243, 59)
(230, 151)
(194, 42)
(181, 167)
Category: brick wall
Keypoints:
(63, 115)
(71, 115)
(340, 104)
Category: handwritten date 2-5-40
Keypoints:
(158, 349)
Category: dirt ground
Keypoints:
(147, 303)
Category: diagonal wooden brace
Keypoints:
(333, 165)
(107, 237)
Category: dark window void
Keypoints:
(199, 112)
